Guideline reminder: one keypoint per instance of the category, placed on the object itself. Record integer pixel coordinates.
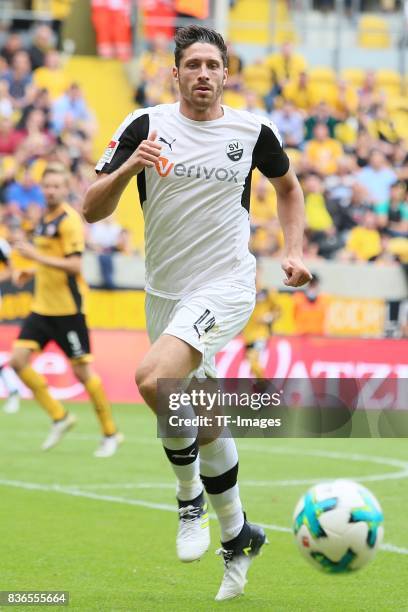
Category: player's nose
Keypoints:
(204, 72)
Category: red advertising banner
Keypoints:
(117, 354)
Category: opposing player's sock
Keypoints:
(219, 472)
(193, 537)
(101, 404)
(238, 555)
(38, 386)
(257, 370)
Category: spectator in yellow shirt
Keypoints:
(52, 76)
(346, 102)
(364, 242)
(300, 92)
(322, 152)
(285, 64)
(318, 218)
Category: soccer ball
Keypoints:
(338, 526)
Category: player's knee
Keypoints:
(18, 361)
(146, 382)
(81, 373)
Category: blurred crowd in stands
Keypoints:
(347, 140)
(346, 137)
(44, 118)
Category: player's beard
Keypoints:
(202, 103)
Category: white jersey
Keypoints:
(196, 199)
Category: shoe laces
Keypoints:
(226, 554)
(188, 514)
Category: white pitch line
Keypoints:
(32, 486)
(123, 485)
(394, 549)
(281, 450)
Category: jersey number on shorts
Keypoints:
(74, 343)
(204, 323)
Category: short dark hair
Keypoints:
(185, 37)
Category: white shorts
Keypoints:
(206, 319)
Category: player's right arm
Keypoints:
(5, 268)
(103, 196)
(5, 274)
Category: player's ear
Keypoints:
(225, 76)
(175, 73)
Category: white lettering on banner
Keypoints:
(348, 316)
(332, 369)
(282, 364)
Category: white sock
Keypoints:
(8, 377)
(219, 471)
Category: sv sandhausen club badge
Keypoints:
(234, 150)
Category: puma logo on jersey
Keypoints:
(169, 144)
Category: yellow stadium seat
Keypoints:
(354, 76)
(248, 22)
(400, 121)
(285, 32)
(396, 103)
(373, 33)
(389, 81)
(322, 74)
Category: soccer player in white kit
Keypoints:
(193, 162)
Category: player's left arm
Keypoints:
(291, 213)
(272, 161)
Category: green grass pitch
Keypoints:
(104, 529)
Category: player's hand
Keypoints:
(296, 272)
(19, 278)
(145, 156)
(26, 249)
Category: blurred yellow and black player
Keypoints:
(12, 403)
(259, 327)
(58, 310)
